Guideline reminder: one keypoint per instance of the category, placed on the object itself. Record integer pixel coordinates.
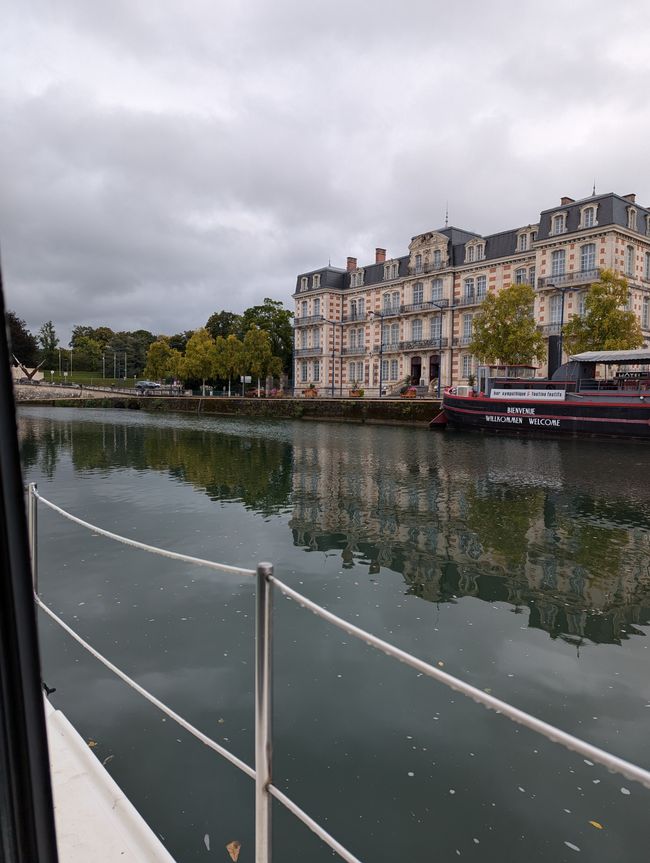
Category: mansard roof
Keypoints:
(612, 210)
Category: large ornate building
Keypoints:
(374, 325)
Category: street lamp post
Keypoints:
(372, 316)
(440, 309)
(562, 291)
(336, 324)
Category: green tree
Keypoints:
(23, 344)
(49, 342)
(274, 319)
(200, 357)
(606, 325)
(86, 354)
(504, 328)
(230, 358)
(224, 324)
(159, 360)
(178, 341)
(258, 354)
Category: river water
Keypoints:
(520, 566)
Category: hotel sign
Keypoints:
(525, 395)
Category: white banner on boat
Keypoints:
(524, 395)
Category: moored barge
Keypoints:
(575, 401)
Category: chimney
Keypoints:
(352, 264)
(380, 256)
(631, 197)
(566, 200)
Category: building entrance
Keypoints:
(416, 370)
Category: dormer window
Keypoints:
(480, 251)
(391, 271)
(316, 280)
(356, 279)
(304, 283)
(418, 263)
(647, 226)
(523, 243)
(437, 256)
(631, 218)
(469, 254)
(558, 224)
(588, 217)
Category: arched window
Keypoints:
(559, 224)
(418, 293)
(436, 289)
(394, 334)
(468, 289)
(558, 262)
(469, 254)
(416, 330)
(588, 257)
(588, 217)
(520, 276)
(437, 258)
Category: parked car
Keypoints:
(145, 386)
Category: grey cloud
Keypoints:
(160, 164)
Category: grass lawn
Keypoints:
(88, 378)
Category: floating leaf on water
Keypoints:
(571, 846)
(441, 663)
(92, 743)
(206, 841)
(233, 848)
(596, 824)
(107, 759)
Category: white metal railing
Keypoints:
(262, 774)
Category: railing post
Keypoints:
(263, 712)
(32, 528)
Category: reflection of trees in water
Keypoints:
(40, 444)
(255, 471)
(571, 561)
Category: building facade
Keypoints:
(374, 326)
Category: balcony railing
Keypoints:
(387, 348)
(425, 306)
(308, 319)
(566, 279)
(354, 349)
(308, 352)
(389, 311)
(354, 316)
(411, 345)
(551, 329)
(415, 270)
(462, 341)
(420, 344)
(470, 300)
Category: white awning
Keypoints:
(639, 355)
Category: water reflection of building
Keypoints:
(536, 539)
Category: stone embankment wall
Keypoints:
(396, 411)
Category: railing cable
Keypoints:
(208, 741)
(550, 732)
(163, 552)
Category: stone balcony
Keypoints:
(470, 300)
(308, 352)
(568, 280)
(307, 320)
(425, 306)
(424, 344)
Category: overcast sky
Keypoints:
(161, 160)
